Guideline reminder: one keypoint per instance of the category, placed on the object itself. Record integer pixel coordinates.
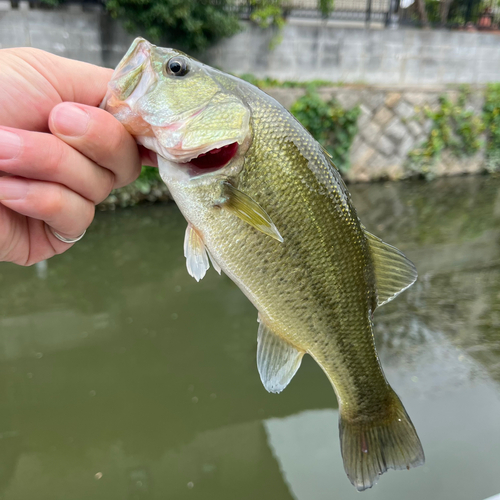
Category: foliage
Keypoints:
(273, 13)
(491, 117)
(325, 7)
(331, 125)
(458, 12)
(149, 176)
(192, 24)
(454, 127)
(266, 13)
(268, 82)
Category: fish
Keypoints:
(265, 204)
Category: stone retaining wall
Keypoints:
(390, 126)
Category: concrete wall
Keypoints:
(309, 49)
(400, 57)
(69, 33)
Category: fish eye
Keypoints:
(177, 66)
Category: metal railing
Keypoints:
(343, 10)
(463, 14)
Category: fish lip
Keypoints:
(134, 60)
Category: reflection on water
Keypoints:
(122, 378)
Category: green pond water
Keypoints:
(121, 378)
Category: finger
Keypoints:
(148, 157)
(74, 81)
(35, 155)
(62, 209)
(99, 136)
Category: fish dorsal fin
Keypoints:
(277, 360)
(196, 254)
(394, 273)
(248, 210)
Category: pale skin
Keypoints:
(60, 154)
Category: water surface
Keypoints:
(123, 378)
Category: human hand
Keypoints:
(60, 155)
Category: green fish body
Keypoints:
(277, 218)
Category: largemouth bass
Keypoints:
(265, 204)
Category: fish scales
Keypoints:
(264, 201)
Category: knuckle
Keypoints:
(110, 182)
(52, 203)
(132, 174)
(115, 143)
(89, 214)
(55, 157)
(106, 185)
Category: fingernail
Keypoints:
(13, 189)
(10, 145)
(71, 120)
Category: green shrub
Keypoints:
(491, 116)
(454, 127)
(330, 124)
(191, 24)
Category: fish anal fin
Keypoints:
(196, 254)
(369, 448)
(394, 273)
(248, 210)
(277, 360)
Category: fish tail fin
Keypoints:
(369, 447)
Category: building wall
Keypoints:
(69, 33)
(377, 56)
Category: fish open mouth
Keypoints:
(215, 158)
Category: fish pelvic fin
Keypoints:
(369, 448)
(277, 360)
(196, 254)
(394, 273)
(248, 210)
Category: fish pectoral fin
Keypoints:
(394, 273)
(196, 254)
(248, 210)
(277, 360)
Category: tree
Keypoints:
(444, 9)
(191, 24)
(422, 12)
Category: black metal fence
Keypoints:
(343, 10)
(476, 14)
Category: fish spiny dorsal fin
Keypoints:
(394, 273)
(196, 254)
(277, 360)
(248, 210)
